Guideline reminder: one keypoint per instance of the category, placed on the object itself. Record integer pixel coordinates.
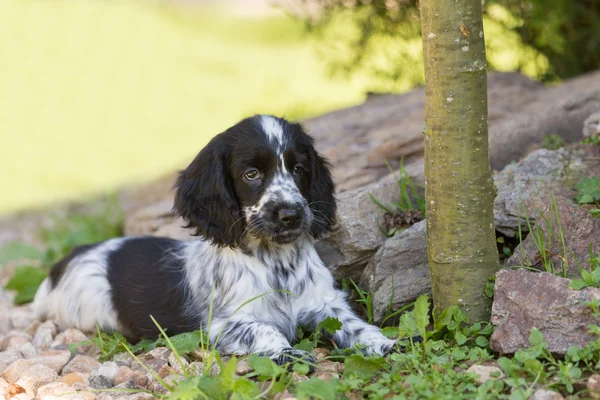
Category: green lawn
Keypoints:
(95, 94)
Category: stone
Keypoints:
(162, 353)
(12, 373)
(35, 377)
(82, 364)
(3, 385)
(485, 372)
(103, 377)
(526, 187)
(55, 359)
(243, 367)
(320, 353)
(593, 386)
(84, 391)
(15, 342)
(55, 389)
(22, 396)
(7, 339)
(525, 299)
(545, 394)
(196, 368)
(74, 377)
(580, 230)
(10, 356)
(327, 370)
(28, 350)
(356, 236)
(21, 317)
(72, 336)
(32, 328)
(13, 390)
(591, 126)
(125, 374)
(154, 364)
(176, 364)
(137, 396)
(398, 272)
(44, 335)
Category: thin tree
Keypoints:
(460, 190)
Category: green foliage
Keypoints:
(78, 229)
(588, 191)
(589, 278)
(553, 142)
(26, 281)
(381, 38)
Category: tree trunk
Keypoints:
(460, 190)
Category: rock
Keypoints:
(82, 364)
(28, 350)
(592, 385)
(44, 335)
(137, 396)
(327, 370)
(74, 377)
(84, 391)
(356, 237)
(10, 356)
(21, 317)
(579, 230)
(15, 342)
(485, 372)
(161, 353)
(545, 394)
(32, 328)
(524, 299)
(243, 367)
(72, 336)
(55, 359)
(13, 390)
(99, 382)
(400, 267)
(104, 376)
(125, 374)
(56, 389)
(12, 373)
(196, 368)
(7, 339)
(591, 126)
(320, 353)
(155, 364)
(35, 377)
(177, 364)
(528, 186)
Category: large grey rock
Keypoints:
(357, 236)
(399, 271)
(526, 187)
(567, 239)
(524, 299)
(591, 125)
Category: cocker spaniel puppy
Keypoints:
(258, 195)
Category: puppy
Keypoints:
(258, 195)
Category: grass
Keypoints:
(97, 94)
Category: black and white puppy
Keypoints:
(258, 195)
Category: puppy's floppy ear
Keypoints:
(205, 199)
(322, 200)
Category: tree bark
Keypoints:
(459, 187)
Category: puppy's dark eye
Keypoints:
(252, 174)
(298, 170)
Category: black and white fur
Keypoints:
(258, 195)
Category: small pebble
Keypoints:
(35, 377)
(485, 372)
(81, 363)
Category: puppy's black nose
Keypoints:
(289, 216)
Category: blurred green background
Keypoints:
(96, 94)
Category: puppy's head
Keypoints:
(262, 179)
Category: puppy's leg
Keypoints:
(354, 331)
(244, 336)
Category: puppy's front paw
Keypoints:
(291, 355)
(380, 346)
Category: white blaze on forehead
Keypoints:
(272, 128)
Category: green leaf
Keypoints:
(228, 375)
(390, 331)
(317, 389)
(577, 284)
(421, 314)
(536, 337)
(460, 338)
(187, 390)
(504, 363)
(331, 325)
(586, 199)
(18, 251)
(26, 281)
(145, 345)
(264, 366)
(301, 368)
(244, 388)
(361, 366)
(186, 342)
(305, 344)
(482, 341)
